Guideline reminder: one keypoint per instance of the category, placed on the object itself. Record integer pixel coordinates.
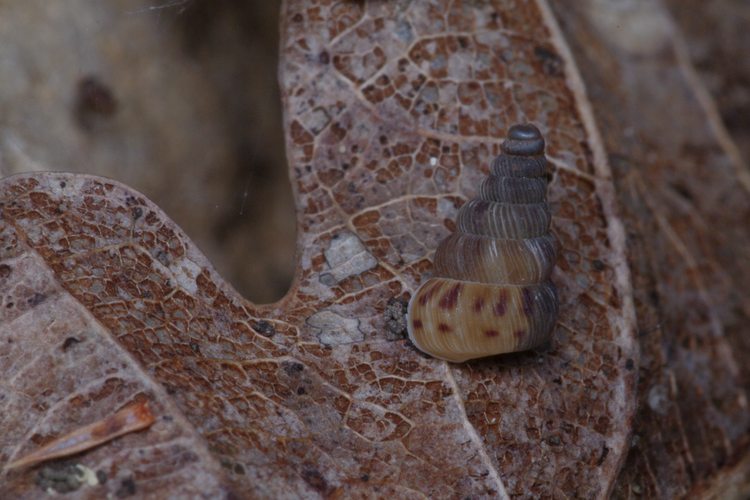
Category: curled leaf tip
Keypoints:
(134, 417)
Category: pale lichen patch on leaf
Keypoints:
(346, 256)
(333, 329)
(185, 273)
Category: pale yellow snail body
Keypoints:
(491, 292)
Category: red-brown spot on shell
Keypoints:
(444, 328)
(491, 333)
(501, 305)
(428, 293)
(478, 304)
(519, 334)
(417, 323)
(450, 299)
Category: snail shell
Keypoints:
(491, 292)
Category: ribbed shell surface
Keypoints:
(491, 293)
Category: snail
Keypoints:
(491, 292)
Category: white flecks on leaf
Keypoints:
(334, 329)
(185, 272)
(88, 476)
(658, 399)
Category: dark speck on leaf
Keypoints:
(69, 342)
(395, 318)
(552, 64)
(314, 478)
(292, 368)
(327, 279)
(264, 328)
(127, 488)
(603, 456)
(101, 476)
(681, 190)
(36, 299)
(163, 258)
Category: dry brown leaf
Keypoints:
(684, 196)
(393, 110)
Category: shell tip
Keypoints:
(524, 139)
(524, 132)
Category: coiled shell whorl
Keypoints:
(491, 291)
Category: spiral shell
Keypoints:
(491, 291)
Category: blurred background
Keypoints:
(178, 99)
(718, 43)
